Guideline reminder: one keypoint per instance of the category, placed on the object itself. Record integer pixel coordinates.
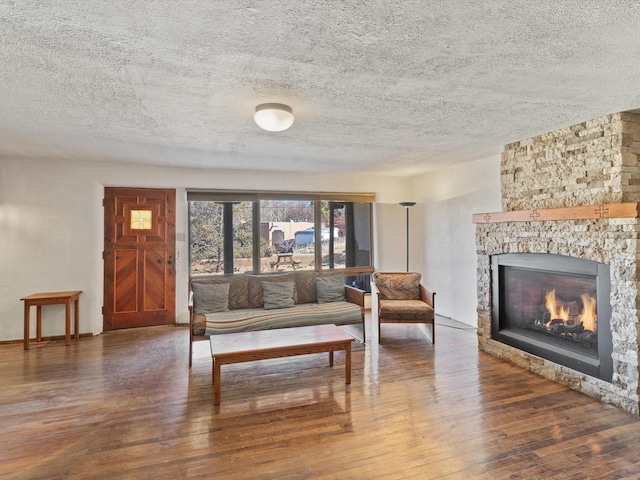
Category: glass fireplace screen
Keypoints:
(558, 307)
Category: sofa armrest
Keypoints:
(354, 295)
(428, 296)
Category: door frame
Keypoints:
(170, 241)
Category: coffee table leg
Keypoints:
(216, 382)
(347, 372)
(331, 358)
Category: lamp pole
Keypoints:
(407, 205)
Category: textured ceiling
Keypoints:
(377, 86)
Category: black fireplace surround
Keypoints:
(555, 307)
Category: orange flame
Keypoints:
(557, 310)
(555, 307)
(588, 316)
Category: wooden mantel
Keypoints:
(587, 212)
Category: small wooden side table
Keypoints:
(40, 299)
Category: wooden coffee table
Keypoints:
(286, 342)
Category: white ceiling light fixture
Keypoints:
(273, 117)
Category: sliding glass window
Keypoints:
(268, 232)
(346, 234)
(286, 231)
(221, 235)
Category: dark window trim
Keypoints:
(254, 196)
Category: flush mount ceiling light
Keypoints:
(273, 117)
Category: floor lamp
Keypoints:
(407, 205)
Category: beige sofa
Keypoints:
(220, 304)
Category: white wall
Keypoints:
(51, 227)
(391, 242)
(443, 235)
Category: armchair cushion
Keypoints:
(398, 286)
(412, 310)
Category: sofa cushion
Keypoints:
(398, 286)
(277, 295)
(255, 295)
(237, 288)
(210, 297)
(330, 289)
(338, 313)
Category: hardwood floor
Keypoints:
(124, 404)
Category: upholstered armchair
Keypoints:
(403, 299)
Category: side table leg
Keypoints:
(26, 325)
(76, 330)
(38, 323)
(67, 323)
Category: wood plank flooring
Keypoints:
(124, 404)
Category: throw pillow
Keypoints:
(210, 298)
(255, 295)
(330, 289)
(277, 295)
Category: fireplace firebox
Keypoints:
(555, 307)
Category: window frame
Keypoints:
(234, 196)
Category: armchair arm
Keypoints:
(190, 326)
(354, 295)
(190, 316)
(374, 290)
(428, 296)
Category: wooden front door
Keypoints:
(139, 257)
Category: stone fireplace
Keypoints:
(565, 249)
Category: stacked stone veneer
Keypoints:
(592, 163)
